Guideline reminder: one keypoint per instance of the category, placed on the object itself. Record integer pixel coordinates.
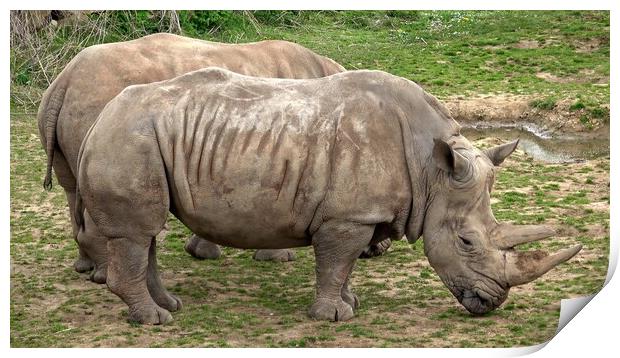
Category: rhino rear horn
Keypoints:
(513, 235)
(498, 153)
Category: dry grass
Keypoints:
(41, 46)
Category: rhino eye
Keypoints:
(465, 241)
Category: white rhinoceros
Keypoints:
(74, 100)
(338, 163)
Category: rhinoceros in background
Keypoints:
(338, 163)
(74, 100)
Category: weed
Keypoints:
(545, 104)
(576, 106)
(598, 112)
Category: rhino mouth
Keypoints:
(479, 302)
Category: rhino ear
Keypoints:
(499, 153)
(449, 160)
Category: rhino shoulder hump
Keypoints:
(160, 36)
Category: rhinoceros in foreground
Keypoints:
(338, 163)
(74, 100)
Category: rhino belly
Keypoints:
(250, 221)
(253, 190)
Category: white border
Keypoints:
(593, 330)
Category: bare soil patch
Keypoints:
(587, 46)
(527, 44)
(511, 109)
(585, 76)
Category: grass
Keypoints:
(465, 53)
(236, 301)
(546, 104)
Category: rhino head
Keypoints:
(473, 254)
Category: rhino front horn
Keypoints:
(524, 267)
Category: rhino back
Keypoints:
(99, 73)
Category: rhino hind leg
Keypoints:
(278, 255)
(202, 248)
(94, 244)
(127, 278)
(83, 263)
(158, 292)
(377, 249)
(336, 246)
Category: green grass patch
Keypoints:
(237, 302)
(546, 103)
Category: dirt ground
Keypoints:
(237, 302)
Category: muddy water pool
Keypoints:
(543, 145)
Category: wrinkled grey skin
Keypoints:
(97, 74)
(338, 163)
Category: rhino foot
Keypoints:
(83, 264)
(99, 274)
(351, 298)
(280, 255)
(331, 310)
(151, 314)
(168, 301)
(202, 248)
(377, 249)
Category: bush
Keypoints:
(279, 18)
(576, 106)
(208, 22)
(598, 112)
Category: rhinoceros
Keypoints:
(74, 100)
(338, 163)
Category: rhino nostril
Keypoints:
(469, 294)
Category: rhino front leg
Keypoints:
(127, 278)
(336, 246)
(348, 296)
(280, 255)
(160, 295)
(202, 248)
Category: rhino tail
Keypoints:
(48, 118)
